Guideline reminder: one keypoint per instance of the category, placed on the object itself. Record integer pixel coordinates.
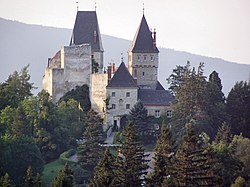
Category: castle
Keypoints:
(112, 92)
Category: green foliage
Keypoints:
(6, 120)
(239, 182)
(64, 178)
(163, 158)
(32, 181)
(138, 116)
(15, 89)
(19, 154)
(104, 174)
(131, 161)
(226, 165)
(79, 94)
(194, 164)
(89, 151)
(95, 66)
(238, 108)
(5, 181)
(196, 99)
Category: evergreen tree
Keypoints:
(64, 178)
(104, 174)
(89, 151)
(131, 162)
(163, 159)
(194, 166)
(238, 108)
(191, 103)
(138, 116)
(226, 165)
(216, 108)
(29, 179)
(5, 181)
(21, 126)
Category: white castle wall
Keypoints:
(120, 110)
(98, 92)
(75, 63)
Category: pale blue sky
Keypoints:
(216, 28)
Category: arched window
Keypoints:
(120, 102)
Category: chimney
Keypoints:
(154, 39)
(113, 69)
(109, 72)
(95, 36)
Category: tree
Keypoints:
(6, 120)
(194, 166)
(5, 181)
(163, 164)
(32, 181)
(79, 94)
(191, 103)
(15, 89)
(238, 108)
(138, 116)
(216, 108)
(19, 154)
(104, 174)
(226, 165)
(90, 151)
(64, 178)
(131, 162)
(21, 125)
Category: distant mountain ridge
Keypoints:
(23, 44)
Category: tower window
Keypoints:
(151, 57)
(139, 57)
(120, 102)
(143, 73)
(113, 106)
(157, 113)
(127, 94)
(169, 114)
(127, 106)
(145, 57)
(113, 94)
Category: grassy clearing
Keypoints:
(50, 171)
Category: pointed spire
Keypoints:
(143, 40)
(143, 8)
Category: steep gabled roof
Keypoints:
(86, 30)
(122, 78)
(143, 40)
(151, 97)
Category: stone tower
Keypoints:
(86, 30)
(143, 57)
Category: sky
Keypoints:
(214, 28)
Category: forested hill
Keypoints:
(23, 44)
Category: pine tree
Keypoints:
(163, 154)
(194, 166)
(5, 181)
(21, 125)
(64, 178)
(29, 179)
(90, 151)
(104, 174)
(131, 162)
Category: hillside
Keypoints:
(23, 44)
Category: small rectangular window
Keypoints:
(157, 113)
(127, 94)
(113, 106)
(169, 114)
(139, 57)
(145, 57)
(143, 73)
(151, 58)
(113, 94)
(127, 106)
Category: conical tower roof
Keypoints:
(86, 30)
(122, 78)
(143, 40)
